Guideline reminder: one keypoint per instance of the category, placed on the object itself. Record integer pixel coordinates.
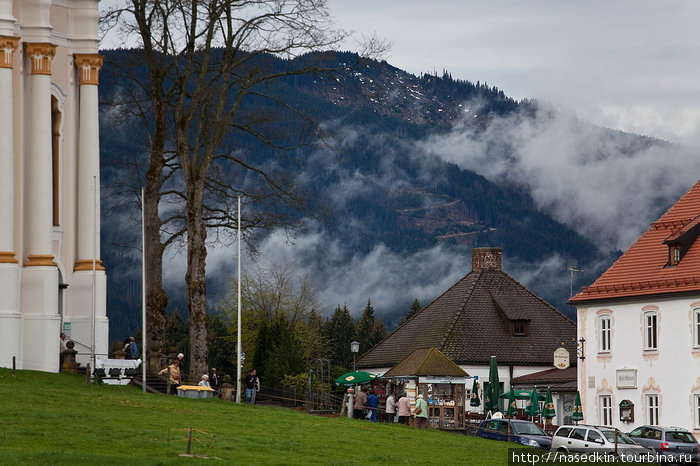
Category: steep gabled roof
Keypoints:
(469, 324)
(426, 362)
(644, 269)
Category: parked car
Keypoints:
(589, 439)
(515, 430)
(675, 442)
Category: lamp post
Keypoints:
(354, 348)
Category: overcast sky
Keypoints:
(632, 65)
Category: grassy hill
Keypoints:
(59, 419)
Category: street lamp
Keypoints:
(354, 348)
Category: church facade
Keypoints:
(51, 277)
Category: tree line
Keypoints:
(283, 329)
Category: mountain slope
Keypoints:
(382, 188)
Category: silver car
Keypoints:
(585, 439)
(674, 442)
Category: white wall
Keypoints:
(672, 372)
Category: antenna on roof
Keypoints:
(573, 267)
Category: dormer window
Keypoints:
(675, 253)
(520, 327)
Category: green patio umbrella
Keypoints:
(548, 410)
(491, 395)
(578, 409)
(474, 396)
(522, 395)
(355, 378)
(512, 405)
(533, 406)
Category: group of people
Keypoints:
(212, 380)
(366, 406)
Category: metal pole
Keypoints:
(94, 268)
(238, 346)
(143, 296)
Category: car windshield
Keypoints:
(682, 437)
(526, 428)
(621, 438)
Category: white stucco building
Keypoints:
(641, 324)
(51, 277)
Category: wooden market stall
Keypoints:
(442, 383)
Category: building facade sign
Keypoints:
(626, 378)
(561, 358)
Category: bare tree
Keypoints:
(209, 62)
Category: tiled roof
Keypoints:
(466, 324)
(643, 270)
(547, 377)
(426, 361)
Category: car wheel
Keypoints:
(562, 450)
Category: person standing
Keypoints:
(214, 381)
(404, 407)
(130, 349)
(360, 404)
(173, 372)
(391, 408)
(372, 406)
(252, 387)
(421, 413)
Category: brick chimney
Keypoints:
(486, 259)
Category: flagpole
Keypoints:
(94, 268)
(143, 296)
(238, 376)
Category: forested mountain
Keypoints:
(374, 179)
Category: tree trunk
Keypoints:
(196, 280)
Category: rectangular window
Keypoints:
(696, 328)
(604, 334)
(653, 410)
(606, 410)
(650, 331)
(697, 411)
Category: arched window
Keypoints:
(55, 158)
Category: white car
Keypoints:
(585, 439)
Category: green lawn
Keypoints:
(59, 419)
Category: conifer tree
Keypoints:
(364, 328)
(413, 310)
(339, 331)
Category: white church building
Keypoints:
(51, 278)
(640, 327)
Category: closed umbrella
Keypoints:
(512, 405)
(474, 397)
(548, 410)
(355, 378)
(578, 409)
(491, 395)
(533, 406)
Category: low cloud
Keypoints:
(605, 184)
